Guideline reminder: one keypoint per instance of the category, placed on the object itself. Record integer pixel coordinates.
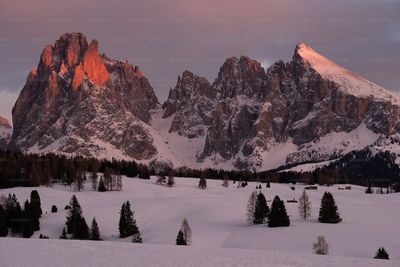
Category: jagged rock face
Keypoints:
(78, 101)
(241, 91)
(192, 103)
(5, 133)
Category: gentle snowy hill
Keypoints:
(38, 253)
(217, 218)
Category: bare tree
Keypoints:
(79, 180)
(304, 206)
(321, 246)
(118, 179)
(225, 183)
(251, 207)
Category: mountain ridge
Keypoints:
(80, 102)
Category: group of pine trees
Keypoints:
(24, 221)
(77, 227)
(258, 211)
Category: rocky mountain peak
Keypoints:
(81, 102)
(240, 76)
(70, 49)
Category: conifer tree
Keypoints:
(63, 234)
(36, 203)
(186, 236)
(369, 190)
(36, 209)
(27, 224)
(261, 209)
(14, 215)
(304, 206)
(102, 187)
(131, 227)
(127, 223)
(251, 207)
(3, 222)
(277, 216)
(122, 222)
(81, 229)
(74, 213)
(381, 254)
(180, 240)
(328, 212)
(94, 231)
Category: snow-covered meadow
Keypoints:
(217, 217)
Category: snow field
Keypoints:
(217, 216)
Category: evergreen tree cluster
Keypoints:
(258, 211)
(19, 169)
(357, 167)
(21, 221)
(76, 226)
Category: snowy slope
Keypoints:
(217, 216)
(18, 252)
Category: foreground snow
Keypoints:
(16, 252)
(217, 217)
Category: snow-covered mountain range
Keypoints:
(80, 102)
